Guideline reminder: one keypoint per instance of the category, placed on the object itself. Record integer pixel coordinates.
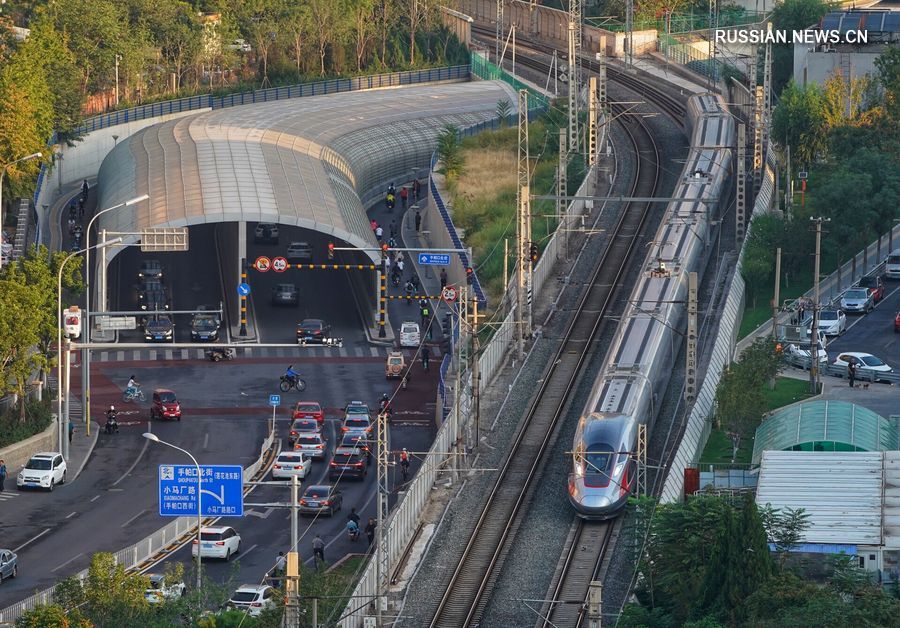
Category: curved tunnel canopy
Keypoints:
(308, 162)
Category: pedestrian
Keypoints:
(851, 373)
(84, 189)
(400, 256)
(81, 208)
(426, 356)
(801, 310)
(416, 187)
(443, 279)
(71, 430)
(374, 224)
(418, 221)
(415, 281)
(278, 570)
(423, 310)
(379, 233)
(400, 266)
(393, 228)
(404, 196)
(318, 550)
(3, 474)
(370, 530)
(387, 264)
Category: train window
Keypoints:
(599, 459)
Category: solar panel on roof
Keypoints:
(831, 21)
(891, 23)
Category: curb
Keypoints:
(96, 435)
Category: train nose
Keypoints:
(592, 502)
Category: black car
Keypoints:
(266, 233)
(347, 462)
(159, 328)
(150, 269)
(205, 328)
(152, 295)
(285, 294)
(321, 498)
(299, 252)
(313, 330)
(359, 441)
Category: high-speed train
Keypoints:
(639, 360)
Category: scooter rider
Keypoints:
(352, 530)
(409, 291)
(112, 425)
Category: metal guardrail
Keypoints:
(833, 370)
(136, 554)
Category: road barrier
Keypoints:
(163, 540)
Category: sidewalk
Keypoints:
(81, 448)
(879, 398)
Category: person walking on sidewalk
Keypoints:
(404, 196)
(318, 550)
(370, 531)
(426, 356)
(84, 189)
(851, 373)
(374, 224)
(418, 221)
(379, 233)
(416, 187)
(71, 430)
(278, 570)
(443, 279)
(2, 474)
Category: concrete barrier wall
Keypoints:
(18, 454)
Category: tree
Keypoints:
(363, 12)
(51, 616)
(450, 151)
(19, 334)
(888, 66)
(739, 406)
(792, 15)
(785, 528)
(502, 111)
(109, 595)
(799, 121)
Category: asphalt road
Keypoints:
(873, 333)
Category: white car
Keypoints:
(253, 598)
(217, 542)
(832, 322)
(44, 470)
(799, 354)
(290, 463)
(159, 592)
(863, 361)
(410, 335)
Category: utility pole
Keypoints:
(381, 555)
(641, 459)
(629, 34)
(814, 339)
(776, 301)
(767, 89)
(118, 57)
(690, 379)
(500, 30)
(292, 590)
(562, 189)
(573, 88)
(740, 201)
(522, 233)
(476, 373)
(593, 121)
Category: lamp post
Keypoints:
(64, 424)
(2, 175)
(86, 357)
(118, 58)
(153, 437)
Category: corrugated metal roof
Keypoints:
(841, 492)
(819, 421)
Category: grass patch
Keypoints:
(719, 446)
(754, 316)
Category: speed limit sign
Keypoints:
(279, 264)
(449, 294)
(262, 263)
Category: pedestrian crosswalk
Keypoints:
(6, 495)
(252, 351)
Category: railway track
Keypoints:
(474, 576)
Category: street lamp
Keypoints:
(153, 437)
(86, 363)
(64, 425)
(2, 175)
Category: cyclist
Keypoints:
(133, 387)
(409, 291)
(404, 462)
(291, 374)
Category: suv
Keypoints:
(309, 409)
(266, 233)
(217, 542)
(359, 441)
(159, 328)
(299, 252)
(290, 463)
(321, 498)
(150, 269)
(347, 462)
(285, 294)
(205, 327)
(312, 330)
(305, 426)
(152, 295)
(409, 334)
(165, 405)
(252, 598)
(310, 443)
(875, 286)
(358, 423)
(44, 470)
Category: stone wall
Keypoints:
(17, 455)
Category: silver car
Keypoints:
(9, 564)
(857, 301)
(312, 444)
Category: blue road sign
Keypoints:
(243, 289)
(221, 491)
(434, 259)
(274, 400)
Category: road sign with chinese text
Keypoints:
(221, 490)
(434, 259)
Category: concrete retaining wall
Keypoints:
(18, 454)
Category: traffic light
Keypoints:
(384, 250)
(331, 250)
(533, 252)
(470, 275)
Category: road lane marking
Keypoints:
(69, 516)
(31, 540)
(243, 553)
(206, 440)
(133, 464)
(96, 497)
(133, 518)
(67, 562)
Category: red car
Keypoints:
(875, 286)
(309, 409)
(165, 405)
(897, 323)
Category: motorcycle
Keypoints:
(112, 426)
(390, 202)
(352, 531)
(286, 383)
(215, 355)
(133, 394)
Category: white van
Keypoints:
(892, 265)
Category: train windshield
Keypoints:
(599, 459)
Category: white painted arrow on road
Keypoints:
(261, 515)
